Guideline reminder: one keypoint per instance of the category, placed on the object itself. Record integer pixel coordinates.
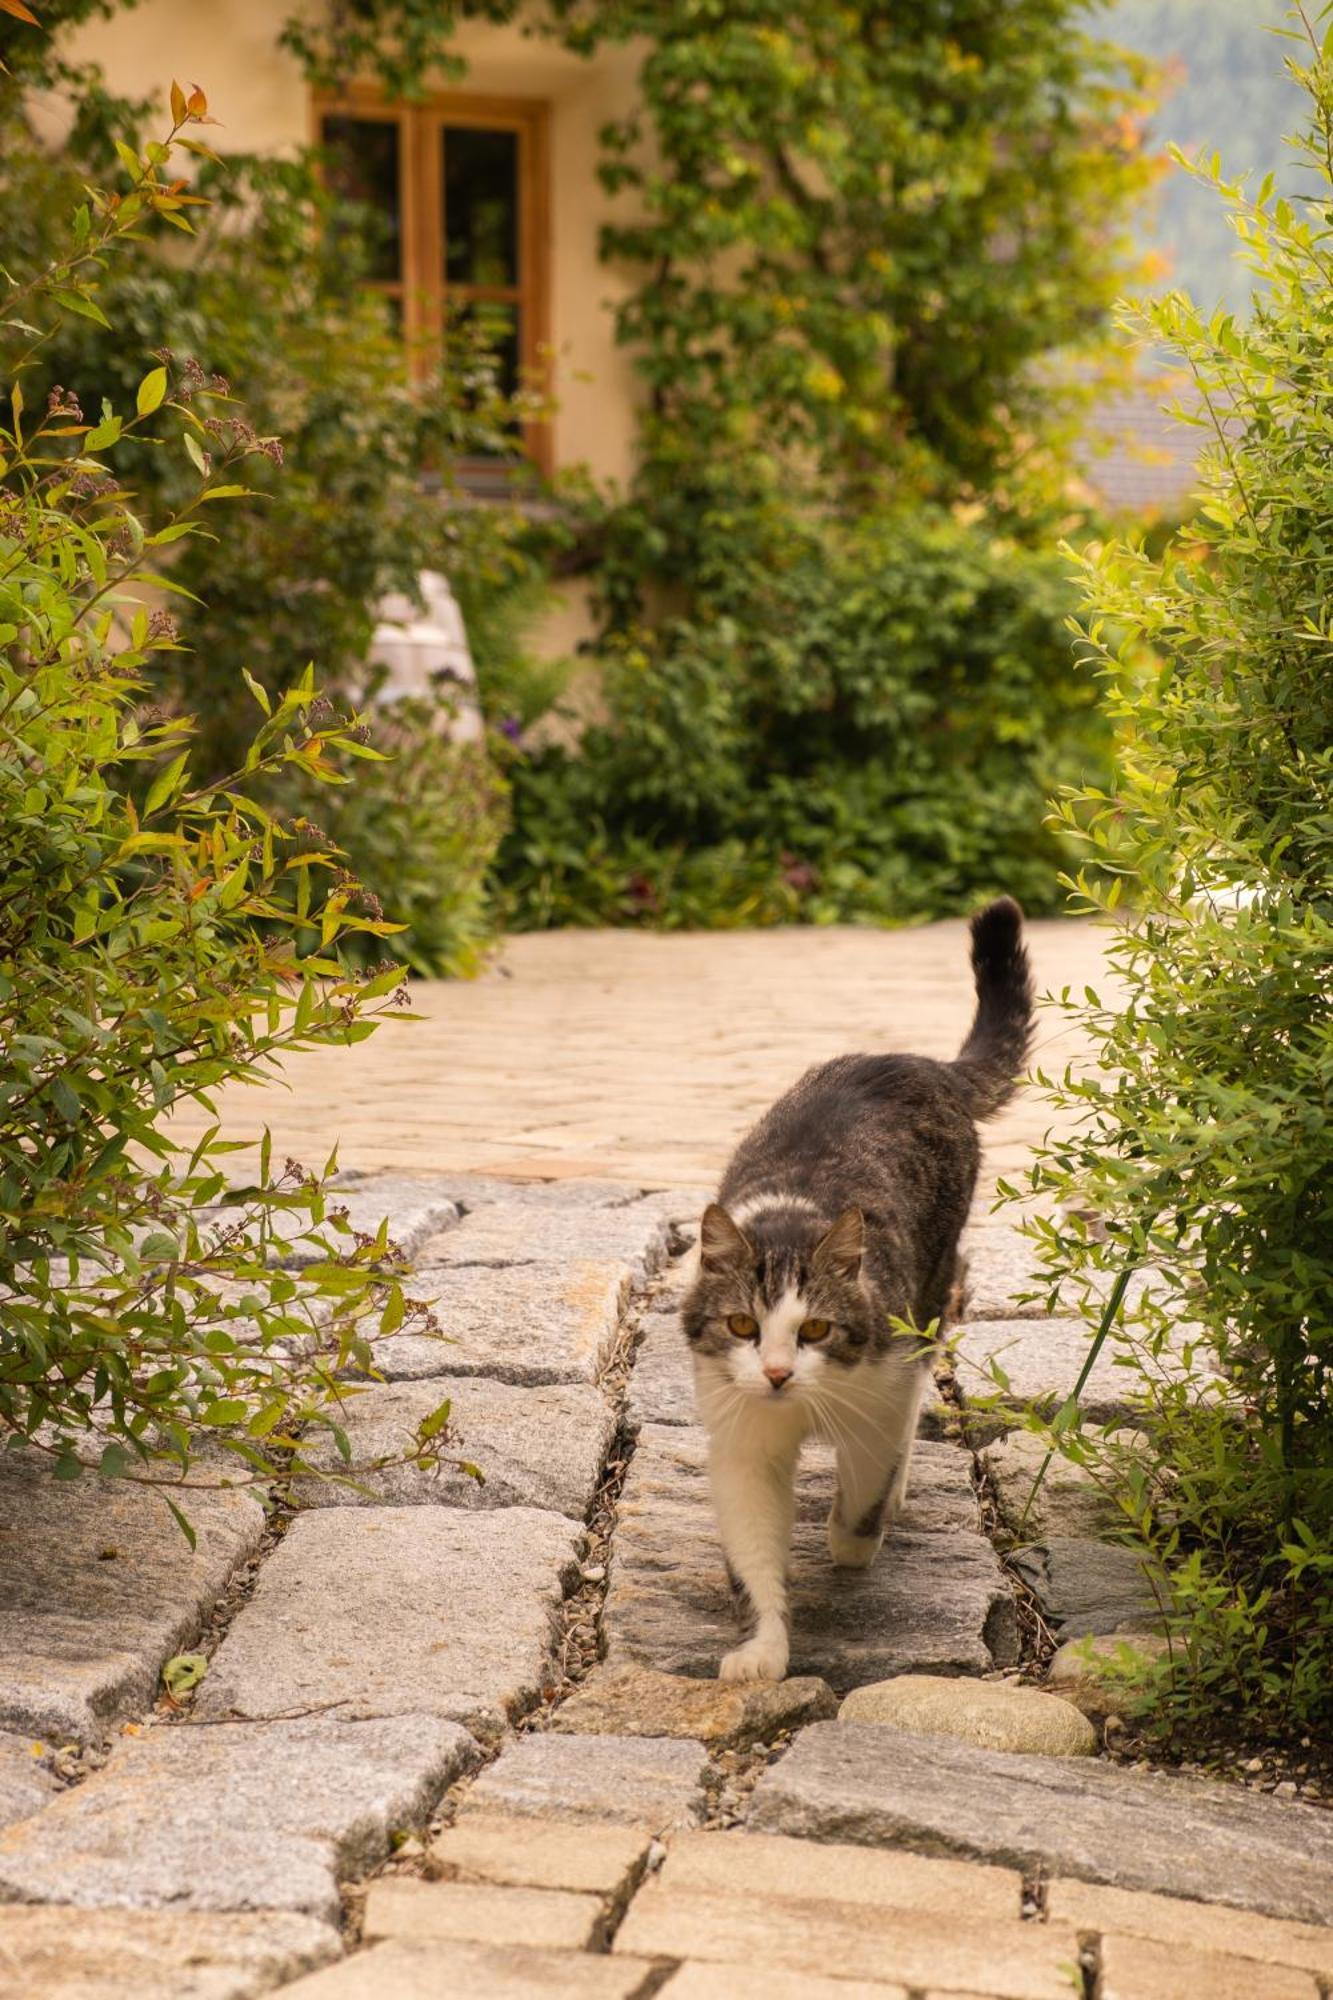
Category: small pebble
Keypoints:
(595, 1573)
(1253, 1764)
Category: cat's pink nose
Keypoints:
(777, 1376)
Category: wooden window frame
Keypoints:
(422, 290)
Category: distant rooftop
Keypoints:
(1136, 457)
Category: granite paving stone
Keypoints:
(26, 1781)
(511, 1234)
(49, 1953)
(661, 1388)
(400, 1906)
(1068, 1501)
(416, 1207)
(1009, 1959)
(935, 1601)
(399, 1970)
(525, 1323)
(1086, 1586)
(399, 1611)
(262, 1816)
(1071, 1815)
(1002, 1269)
(652, 1782)
(637, 1701)
(539, 1447)
(1041, 1360)
(99, 1587)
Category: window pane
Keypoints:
(363, 167)
(480, 206)
(487, 346)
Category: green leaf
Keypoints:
(86, 308)
(182, 1522)
(103, 434)
(225, 1410)
(166, 784)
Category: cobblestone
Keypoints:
(1067, 1815)
(525, 1323)
(26, 1783)
(399, 1611)
(99, 1588)
(538, 1447)
(935, 1601)
(266, 1816)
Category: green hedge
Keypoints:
(869, 731)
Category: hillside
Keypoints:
(1227, 92)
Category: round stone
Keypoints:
(994, 1715)
(1096, 1672)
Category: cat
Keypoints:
(840, 1214)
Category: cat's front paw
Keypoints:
(851, 1551)
(762, 1658)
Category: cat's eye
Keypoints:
(814, 1329)
(743, 1326)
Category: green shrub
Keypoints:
(263, 300)
(855, 724)
(1205, 1147)
(144, 956)
(426, 821)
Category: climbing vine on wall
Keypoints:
(855, 230)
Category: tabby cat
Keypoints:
(837, 1220)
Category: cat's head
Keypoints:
(779, 1303)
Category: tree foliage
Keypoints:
(263, 297)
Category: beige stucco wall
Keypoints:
(259, 94)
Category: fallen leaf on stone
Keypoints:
(183, 1673)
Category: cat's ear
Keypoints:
(722, 1246)
(841, 1251)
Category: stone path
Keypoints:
(458, 1739)
(641, 1057)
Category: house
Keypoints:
(489, 192)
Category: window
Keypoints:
(460, 185)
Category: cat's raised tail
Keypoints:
(996, 1050)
